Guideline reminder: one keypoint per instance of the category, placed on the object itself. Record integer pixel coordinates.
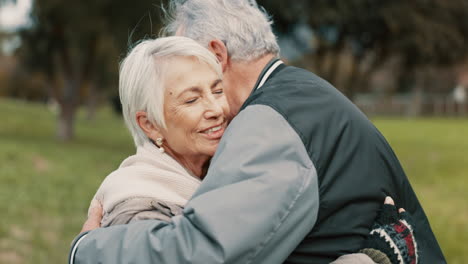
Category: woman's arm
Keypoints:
(140, 208)
(391, 240)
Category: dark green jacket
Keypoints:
(356, 167)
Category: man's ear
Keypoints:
(218, 48)
(145, 124)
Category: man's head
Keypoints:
(238, 32)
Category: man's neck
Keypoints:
(243, 75)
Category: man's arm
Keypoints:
(256, 204)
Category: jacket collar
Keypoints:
(269, 71)
(266, 72)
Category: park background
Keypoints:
(404, 63)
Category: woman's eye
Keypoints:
(219, 91)
(191, 101)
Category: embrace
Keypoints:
(243, 159)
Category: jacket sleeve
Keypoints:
(256, 204)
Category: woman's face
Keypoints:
(195, 108)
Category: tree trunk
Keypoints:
(354, 80)
(91, 103)
(417, 102)
(65, 128)
(416, 108)
(68, 106)
(88, 77)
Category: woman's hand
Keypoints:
(94, 217)
(392, 238)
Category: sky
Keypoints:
(14, 15)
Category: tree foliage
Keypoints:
(422, 33)
(427, 31)
(78, 44)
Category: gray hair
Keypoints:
(242, 25)
(142, 78)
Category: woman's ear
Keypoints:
(219, 49)
(145, 124)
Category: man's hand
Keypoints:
(94, 218)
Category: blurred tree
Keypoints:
(77, 44)
(422, 33)
(2, 2)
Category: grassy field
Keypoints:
(45, 185)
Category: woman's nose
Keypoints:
(213, 109)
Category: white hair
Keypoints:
(142, 78)
(242, 25)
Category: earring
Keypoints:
(159, 142)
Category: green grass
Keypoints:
(45, 185)
(434, 154)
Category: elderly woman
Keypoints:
(175, 109)
(173, 104)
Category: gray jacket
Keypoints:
(138, 209)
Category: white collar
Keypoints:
(268, 72)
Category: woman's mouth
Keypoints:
(215, 132)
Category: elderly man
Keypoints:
(297, 178)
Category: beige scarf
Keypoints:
(147, 174)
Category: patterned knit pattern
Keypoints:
(393, 235)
